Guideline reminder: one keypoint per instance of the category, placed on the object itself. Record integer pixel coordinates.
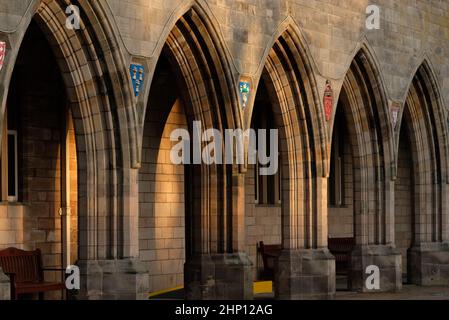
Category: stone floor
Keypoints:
(408, 292)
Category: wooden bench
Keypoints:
(26, 273)
(269, 254)
(342, 248)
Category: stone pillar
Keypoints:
(124, 279)
(109, 264)
(302, 272)
(386, 258)
(5, 288)
(218, 277)
(305, 274)
(429, 264)
(224, 271)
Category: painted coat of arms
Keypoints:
(245, 91)
(328, 101)
(137, 77)
(394, 110)
(2, 53)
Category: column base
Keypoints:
(5, 287)
(305, 275)
(429, 264)
(386, 258)
(218, 277)
(126, 279)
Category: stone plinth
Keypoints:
(125, 279)
(429, 264)
(219, 277)
(386, 258)
(305, 274)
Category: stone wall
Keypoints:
(341, 218)
(11, 225)
(404, 201)
(262, 223)
(162, 218)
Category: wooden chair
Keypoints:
(26, 273)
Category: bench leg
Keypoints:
(41, 296)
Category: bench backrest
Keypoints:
(25, 265)
(342, 245)
(269, 253)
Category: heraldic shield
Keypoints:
(245, 91)
(2, 53)
(137, 73)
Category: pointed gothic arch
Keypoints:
(423, 121)
(99, 93)
(365, 108)
(289, 78)
(214, 217)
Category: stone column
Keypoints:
(5, 288)
(430, 264)
(306, 268)
(375, 238)
(218, 277)
(112, 269)
(217, 269)
(386, 258)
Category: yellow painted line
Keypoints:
(161, 292)
(258, 288)
(263, 287)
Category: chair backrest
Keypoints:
(25, 265)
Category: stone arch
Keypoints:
(204, 77)
(212, 40)
(96, 94)
(370, 129)
(293, 91)
(364, 103)
(99, 94)
(291, 85)
(424, 123)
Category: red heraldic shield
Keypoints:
(2, 53)
(328, 101)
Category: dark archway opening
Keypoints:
(39, 159)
